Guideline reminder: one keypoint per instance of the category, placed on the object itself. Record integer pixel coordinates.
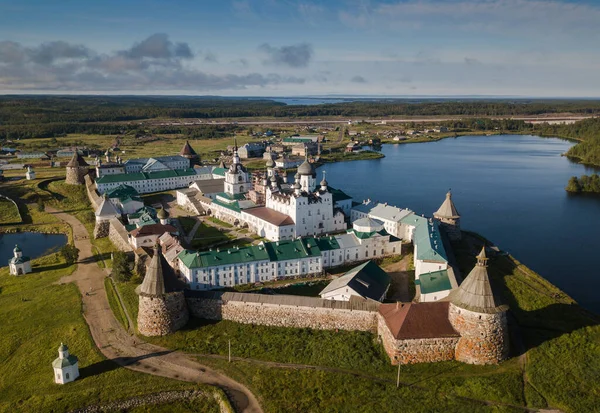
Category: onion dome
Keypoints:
(297, 176)
(162, 214)
(274, 178)
(324, 182)
(17, 248)
(297, 185)
(476, 292)
(270, 162)
(306, 168)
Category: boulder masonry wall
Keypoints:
(425, 350)
(484, 337)
(158, 316)
(282, 315)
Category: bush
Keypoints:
(70, 253)
(121, 271)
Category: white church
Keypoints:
(19, 264)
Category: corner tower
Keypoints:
(162, 306)
(478, 313)
(189, 153)
(77, 169)
(449, 217)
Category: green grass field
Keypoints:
(9, 213)
(37, 315)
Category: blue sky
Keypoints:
(277, 48)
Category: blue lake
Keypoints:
(509, 188)
(33, 244)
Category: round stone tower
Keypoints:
(189, 153)
(478, 314)
(162, 306)
(77, 169)
(449, 218)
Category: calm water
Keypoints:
(33, 244)
(509, 188)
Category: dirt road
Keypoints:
(127, 350)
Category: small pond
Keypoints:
(33, 244)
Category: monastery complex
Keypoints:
(307, 227)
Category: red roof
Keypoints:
(153, 229)
(418, 320)
(271, 216)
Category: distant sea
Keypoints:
(310, 101)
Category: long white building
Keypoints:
(270, 261)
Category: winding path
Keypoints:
(128, 350)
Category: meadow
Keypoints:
(37, 315)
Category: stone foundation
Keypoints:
(76, 175)
(101, 229)
(484, 337)
(426, 350)
(162, 315)
(118, 235)
(282, 315)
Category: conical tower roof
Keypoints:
(447, 209)
(187, 150)
(160, 278)
(106, 208)
(77, 161)
(476, 292)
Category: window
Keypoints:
(67, 375)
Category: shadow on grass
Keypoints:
(105, 366)
(528, 329)
(50, 267)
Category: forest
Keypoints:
(585, 183)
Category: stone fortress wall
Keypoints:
(118, 235)
(426, 350)
(272, 311)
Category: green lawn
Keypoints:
(9, 213)
(207, 235)
(37, 315)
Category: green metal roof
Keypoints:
(269, 251)
(123, 192)
(428, 241)
(203, 259)
(21, 260)
(140, 176)
(234, 206)
(338, 194)
(219, 171)
(327, 243)
(292, 249)
(66, 362)
(432, 282)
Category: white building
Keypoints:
(66, 366)
(146, 182)
(367, 281)
(311, 208)
(286, 258)
(147, 235)
(389, 215)
(106, 210)
(19, 264)
(126, 199)
(159, 163)
(30, 174)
